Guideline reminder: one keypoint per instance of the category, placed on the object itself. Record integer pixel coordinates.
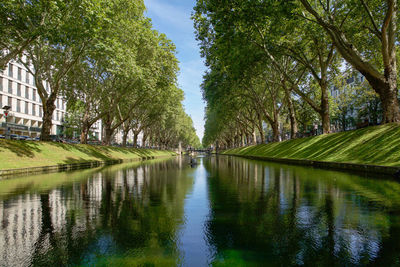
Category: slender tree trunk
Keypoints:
(84, 133)
(292, 115)
(48, 110)
(343, 121)
(108, 132)
(390, 102)
(144, 138)
(85, 127)
(135, 138)
(275, 131)
(124, 138)
(261, 130)
(126, 128)
(254, 137)
(326, 120)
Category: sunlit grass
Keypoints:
(378, 145)
(23, 154)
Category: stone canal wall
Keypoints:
(388, 170)
(72, 166)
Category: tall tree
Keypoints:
(50, 58)
(365, 34)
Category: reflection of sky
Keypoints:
(193, 242)
(172, 17)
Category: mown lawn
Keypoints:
(22, 154)
(377, 145)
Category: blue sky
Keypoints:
(172, 17)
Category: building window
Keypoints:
(33, 109)
(10, 87)
(19, 74)
(1, 100)
(9, 100)
(34, 95)
(27, 78)
(33, 81)
(10, 70)
(57, 116)
(1, 84)
(26, 92)
(58, 103)
(18, 89)
(18, 105)
(26, 108)
(40, 111)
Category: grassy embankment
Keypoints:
(25, 154)
(377, 145)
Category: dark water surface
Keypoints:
(223, 212)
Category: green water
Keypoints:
(223, 212)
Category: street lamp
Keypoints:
(6, 112)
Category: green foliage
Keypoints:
(103, 56)
(281, 59)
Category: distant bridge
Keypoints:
(208, 151)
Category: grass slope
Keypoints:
(23, 154)
(377, 145)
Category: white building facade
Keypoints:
(18, 90)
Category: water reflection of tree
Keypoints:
(293, 215)
(137, 213)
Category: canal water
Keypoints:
(224, 211)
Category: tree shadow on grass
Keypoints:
(373, 145)
(71, 160)
(20, 148)
(104, 152)
(89, 150)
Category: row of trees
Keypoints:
(275, 61)
(108, 62)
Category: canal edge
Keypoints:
(344, 166)
(73, 166)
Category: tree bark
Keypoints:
(390, 102)
(260, 129)
(84, 133)
(144, 138)
(108, 132)
(85, 127)
(292, 115)
(126, 128)
(135, 138)
(275, 130)
(124, 138)
(326, 120)
(48, 110)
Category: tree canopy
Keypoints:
(276, 61)
(106, 60)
